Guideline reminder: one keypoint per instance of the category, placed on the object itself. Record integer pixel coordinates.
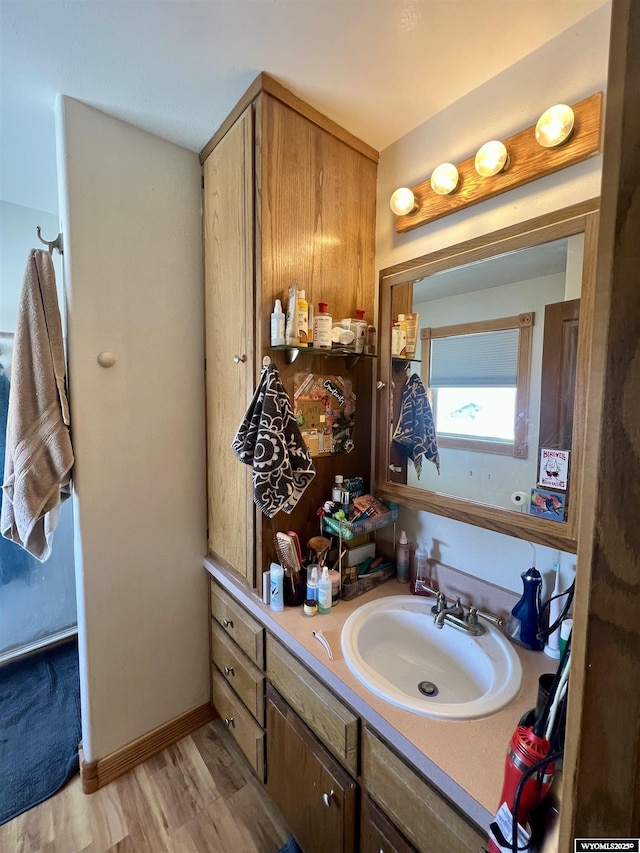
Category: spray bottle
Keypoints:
(402, 559)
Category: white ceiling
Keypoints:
(177, 67)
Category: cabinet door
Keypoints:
(229, 331)
(316, 796)
(377, 833)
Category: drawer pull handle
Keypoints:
(326, 798)
(240, 359)
(228, 721)
(228, 623)
(228, 670)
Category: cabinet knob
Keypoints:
(228, 623)
(326, 798)
(228, 670)
(228, 721)
(240, 358)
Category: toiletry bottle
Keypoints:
(402, 559)
(402, 343)
(303, 319)
(372, 340)
(336, 492)
(277, 582)
(420, 571)
(523, 627)
(359, 328)
(334, 580)
(291, 327)
(411, 322)
(312, 583)
(311, 326)
(324, 592)
(323, 323)
(395, 338)
(277, 325)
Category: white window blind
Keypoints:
(484, 360)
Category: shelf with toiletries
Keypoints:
(357, 577)
(293, 350)
(350, 529)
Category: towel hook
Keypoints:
(52, 244)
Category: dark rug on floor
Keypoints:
(39, 727)
(290, 846)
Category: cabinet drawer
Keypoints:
(317, 798)
(377, 833)
(247, 632)
(247, 733)
(241, 674)
(425, 817)
(334, 724)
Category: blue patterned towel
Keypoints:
(270, 440)
(415, 431)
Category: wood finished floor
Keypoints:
(198, 796)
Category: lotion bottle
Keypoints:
(277, 325)
(322, 326)
(324, 592)
(303, 319)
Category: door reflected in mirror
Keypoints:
(499, 349)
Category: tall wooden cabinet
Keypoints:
(288, 197)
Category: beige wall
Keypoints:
(130, 212)
(567, 69)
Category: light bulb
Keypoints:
(402, 201)
(491, 158)
(444, 179)
(555, 125)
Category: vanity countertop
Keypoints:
(463, 758)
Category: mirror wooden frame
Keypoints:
(579, 218)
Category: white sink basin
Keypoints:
(392, 646)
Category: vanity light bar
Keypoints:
(527, 161)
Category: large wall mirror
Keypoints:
(483, 358)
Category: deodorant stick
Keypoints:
(277, 583)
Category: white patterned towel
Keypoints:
(269, 440)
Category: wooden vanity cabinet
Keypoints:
(288, 197)
(237, 674)
(316, 796)
(377, 833)
(411, 802)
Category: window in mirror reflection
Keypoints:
(487, 413)
(478, 375)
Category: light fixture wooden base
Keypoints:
(528, 161)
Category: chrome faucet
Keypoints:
(470, 623)
(454, 614)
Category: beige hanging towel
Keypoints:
(39, 456)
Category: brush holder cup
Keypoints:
(295, 586)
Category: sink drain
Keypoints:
(428, 688)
